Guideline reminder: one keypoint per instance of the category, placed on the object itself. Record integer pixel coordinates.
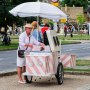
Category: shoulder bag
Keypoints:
(21, 52)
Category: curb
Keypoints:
(14, 72)
(77, 73)
(8, 73)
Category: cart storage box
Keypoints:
(40, 63)
(68, 60)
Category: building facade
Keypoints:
(73, 12)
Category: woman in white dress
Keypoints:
(26, 40)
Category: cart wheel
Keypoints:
(60, 74)
(28, 79)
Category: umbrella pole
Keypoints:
(37, 26)
(37, 0)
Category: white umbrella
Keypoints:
(38, 9)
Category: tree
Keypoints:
(16, 2)
(81, 19)
(5, 16)
(77, 3)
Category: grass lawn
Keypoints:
(83, 63)
(12, 46)
(80, 63)
(77, 70)
(76, 37)
(65, 42)
(14, 37)
(14, 43)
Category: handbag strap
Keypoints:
(27, 46)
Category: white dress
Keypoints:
(24, 39)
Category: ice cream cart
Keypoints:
(42, 63)
(46, 62)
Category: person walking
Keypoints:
(71, 31)
(26, 40)
(65, 30)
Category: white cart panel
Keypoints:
(53, 40)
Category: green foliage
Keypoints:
(16, 2)
(51, 23)
(77, 3)
(5, 6)
(81, 19)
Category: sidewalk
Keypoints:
(71, 82)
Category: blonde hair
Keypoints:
(34, 24)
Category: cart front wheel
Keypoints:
(28, 79)
(60, 74)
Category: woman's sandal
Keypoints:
(21, 82)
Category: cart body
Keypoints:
(46, 62)
(41, 63)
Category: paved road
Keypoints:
(8, 58)
(81, 50)
(71, 82)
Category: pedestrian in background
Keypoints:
(71, 30)
(44, 29)
(65, 30)
(36, 31)
(10, 29)
(26, 42)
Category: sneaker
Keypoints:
(22, 82)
